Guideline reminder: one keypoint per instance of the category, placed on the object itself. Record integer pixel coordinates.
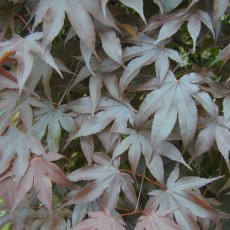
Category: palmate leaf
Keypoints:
(10, 104)
(18, 146)
(139, 142)
(52, 14)
(147, 52)
(100, 73)
(106, 178)
(23, 48)
(53, 118)
(172, 22)
(118, 112)
(179, 197)
(214, 129)
(40, 173)
(173, 99)
(156, 220)
(100, 221)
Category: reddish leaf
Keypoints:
(179, 198)
(106, 178)
(23, 48)
(40, 173)
(168, 101)
(144, 54)
(18, 146)
(156, 220)
(215, 129)
(52, 13)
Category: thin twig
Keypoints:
(146, 178)
(139, 195)
(67, 88)
(23, 20)
(190, 51)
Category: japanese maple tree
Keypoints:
(114, 114)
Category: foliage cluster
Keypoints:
(114, 114)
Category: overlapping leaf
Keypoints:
(23, 48)
(53, 118)
(156, 220)
(214, 129)
(99, 73)
(179, 197)
(40, 173)
(10, 105)
(118, 112)
(147, 52)
(172, 23)
(173, 99)
(18, 146)
(99, 221)
(105, 178)
(139, 142)
(52, 14)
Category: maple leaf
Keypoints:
(52, 14)
(42, 219)
(80, 210)
(179, 197)
(106, 178)
(173, 22)
(42, 70)
(155, 220)
(144, 54)
(99, 73)
(214, 128)
(98, 221)
(47, 116)
(139, 142)
(23, 49)
(118, 112)
(169, 100)
(15, 143)
(40, 173)
(10, 104)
